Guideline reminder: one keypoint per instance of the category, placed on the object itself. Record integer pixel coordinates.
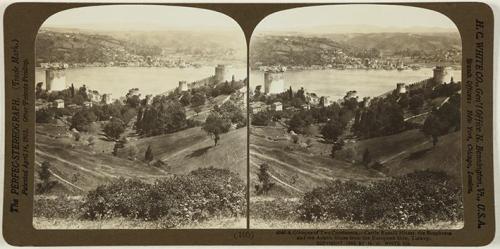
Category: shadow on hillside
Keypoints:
(199, 152)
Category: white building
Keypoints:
(277, 106)
(59, 103)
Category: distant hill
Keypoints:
(317, 49)
(291, 50)
(71, 47)
(85, 46)
(392, 43)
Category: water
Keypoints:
(335, 83)
(149, 80)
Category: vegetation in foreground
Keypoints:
(199, 196)
(411, 201)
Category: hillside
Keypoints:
(296, 169)
(307, 50)
(291, 50)
(78, 167)
(88, 47)
(71, 47)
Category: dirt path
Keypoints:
(267, 158)
(37, 151)
(390, 158)
(62, 179)
(278, 180)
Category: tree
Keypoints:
(39, 90)
(165, 115)
(257, 92)
(118, 145)
(82, 120)
(133, 98)
(77, 136)
(185, 99)
(367, 158)
(44, 116)
(44, 172)
(198, 99)
(114, 128)
(332, 130)
(45, 178)
(215, 125)
(82, 91)
(434, 127)
(300, 121)
(149, 154)
(261, 118)
(415, 103)
(336, 147)
(264, 178)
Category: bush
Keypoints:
(275, 209)
(202, 194)
(44, 116)
(58, 207)
(262, 118)
(114, 128)
(406, 200)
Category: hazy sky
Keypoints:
(140, 17)
(357, 18)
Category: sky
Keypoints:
(139, 17)
(357, 18)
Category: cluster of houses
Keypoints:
(311, 100)
(93, 98)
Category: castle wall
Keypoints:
(55, 80)
(203, 82)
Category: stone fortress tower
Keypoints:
(222, 73)
(274, 81)
(439, 75)
(183, 86)
(55, 78)
(401, 88)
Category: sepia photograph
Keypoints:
(355, 119)
(141, 119)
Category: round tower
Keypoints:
(401, 88)
(222, 73)
(439, 75)
(55, 79)
(274, 82)
(183, 86)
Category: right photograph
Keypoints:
(355, 119)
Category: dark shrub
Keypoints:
(275, 209)
(58, 207)
(407, 200)
(201, 194)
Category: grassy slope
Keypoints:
(298, 167)
(86, 167)
(402, 153)
(306, 168)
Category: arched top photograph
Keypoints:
(356, 102)
(140, 119)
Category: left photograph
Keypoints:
(140, 119)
